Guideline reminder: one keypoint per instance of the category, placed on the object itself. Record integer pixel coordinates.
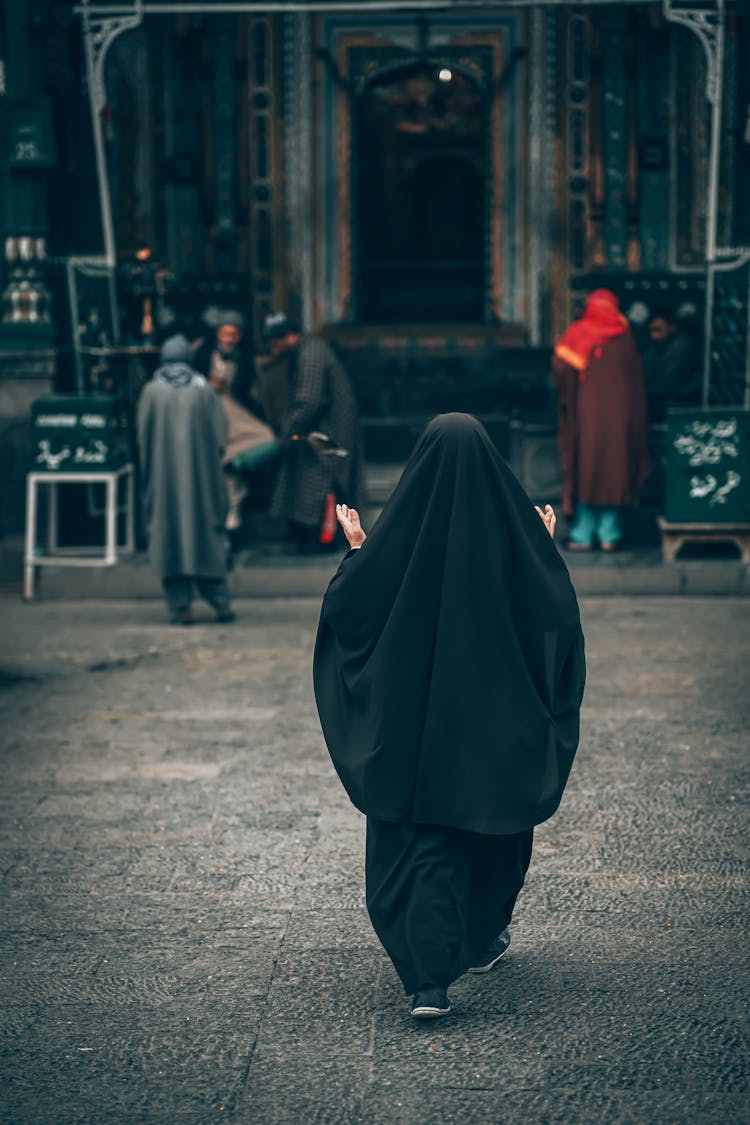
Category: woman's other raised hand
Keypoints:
(548, 517)
(352, 528)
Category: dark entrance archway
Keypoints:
(421, 183)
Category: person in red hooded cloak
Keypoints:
(603, 426)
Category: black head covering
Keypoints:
(449, 663)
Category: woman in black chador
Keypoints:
(449, 672)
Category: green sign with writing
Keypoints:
(708, 466)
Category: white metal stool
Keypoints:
(71, 556)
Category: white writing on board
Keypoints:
(90, 421)
(708, 486)
(26, 150)
(56, 420)
(705, 443)
(49, 459)
(94, 453)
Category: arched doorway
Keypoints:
(421, 183)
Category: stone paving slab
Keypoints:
(183, 935)
(588, 1106)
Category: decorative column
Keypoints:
(183, 151)
(298, 79)
(542, 128)
(266, 174)
(614, 93)
(581, 175)
(633, 254)
(597, 250)
(653, 125)
(224, 141)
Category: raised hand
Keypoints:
(548, 517)
(352, 528)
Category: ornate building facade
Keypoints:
(434, 186)
(494, 154)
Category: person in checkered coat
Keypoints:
(319, 433)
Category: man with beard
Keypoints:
(671, 363)
(228, 366)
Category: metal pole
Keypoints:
(73, 301)
(29, 570)
(267, 7)
(110, 554)
(746, 403)
(714, 93)
(707, 325)
(708, 24)
(96, 105)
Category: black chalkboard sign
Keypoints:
(708, 466)
(78, 433)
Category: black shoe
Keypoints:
(490, 956)
(430, 1003)
(225, 616)
(182, 617)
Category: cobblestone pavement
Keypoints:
(183, 931)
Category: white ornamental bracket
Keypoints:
(99, 33)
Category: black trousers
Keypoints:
(178, 591)
(437, 896)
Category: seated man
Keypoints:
(230, 370)
(671, 363)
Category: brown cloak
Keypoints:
(603, 426)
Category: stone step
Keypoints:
(265, 572)
(380, 481)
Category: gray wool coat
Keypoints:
(182, 432)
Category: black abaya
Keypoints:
(449, 671)
(438, 896)
(449, 662)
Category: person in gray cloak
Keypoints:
(182, 432)
(319, 434)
